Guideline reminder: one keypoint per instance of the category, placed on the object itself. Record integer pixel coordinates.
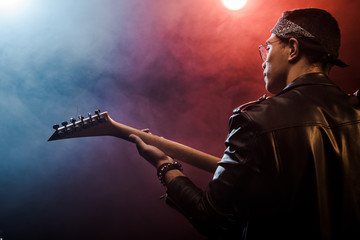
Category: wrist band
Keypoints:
(164, 168)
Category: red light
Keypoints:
(234, 4)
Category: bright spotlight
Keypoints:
(234, 4)
(11, 5)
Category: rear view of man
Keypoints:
(292, 161)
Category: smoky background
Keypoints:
(176, 67)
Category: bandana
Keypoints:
(285, 28)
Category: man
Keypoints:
(292, 163)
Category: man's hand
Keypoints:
(156, 157)
(152, 154)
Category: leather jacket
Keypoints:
(290, 169)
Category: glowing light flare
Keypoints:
(234, 4)
(7, 6)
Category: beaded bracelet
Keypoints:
(164, 168)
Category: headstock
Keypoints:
(84, 127)
(101, 124)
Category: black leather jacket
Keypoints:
(290, 170)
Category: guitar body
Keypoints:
(102, 125)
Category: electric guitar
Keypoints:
(101, 124)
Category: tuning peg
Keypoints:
(64, 123)
(89, 114)
(72, 120)
(97, 112)
(56, 126)
(81, 117)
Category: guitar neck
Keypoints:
(103, 125)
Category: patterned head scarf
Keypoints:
(315, 29)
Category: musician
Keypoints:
(292, 162)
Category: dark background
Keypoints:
(176, 67)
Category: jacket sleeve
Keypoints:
(222, 208)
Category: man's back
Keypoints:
(308, 137)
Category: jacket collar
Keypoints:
(309, 79)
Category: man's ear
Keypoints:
(293, 50)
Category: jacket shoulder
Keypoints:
(246, 106)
